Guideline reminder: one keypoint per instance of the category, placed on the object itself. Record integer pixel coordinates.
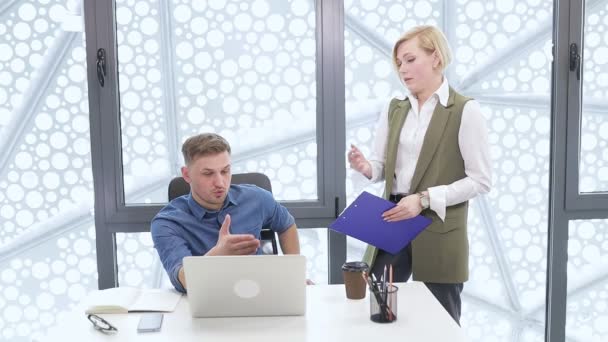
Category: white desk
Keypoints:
(329, 317)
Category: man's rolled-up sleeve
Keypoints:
(277, 217)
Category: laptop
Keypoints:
(251, 285)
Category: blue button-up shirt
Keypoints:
(184, 228)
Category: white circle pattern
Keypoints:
(519, 138)
(594, 159)
(275, 49)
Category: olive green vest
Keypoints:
(440, 254)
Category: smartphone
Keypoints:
(150, 322)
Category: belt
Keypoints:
(395, 198)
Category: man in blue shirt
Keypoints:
(216, 218)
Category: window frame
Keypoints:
(565, 201)
(579, 204)
(113, 215)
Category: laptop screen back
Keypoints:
(252, 285)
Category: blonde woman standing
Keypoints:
(431, 148)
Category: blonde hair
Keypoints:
(202, 145)
(430, 39)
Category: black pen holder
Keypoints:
(383, 303)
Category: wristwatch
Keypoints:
(424, 201)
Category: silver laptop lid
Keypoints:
(252, 285)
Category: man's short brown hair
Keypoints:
(202, 145)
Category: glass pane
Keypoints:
(313, 245)
(587, 302)
(593, 162)
(47, 238)
(502, 58)
(245, 70)
(139, 264)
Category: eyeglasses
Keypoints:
(101, 324)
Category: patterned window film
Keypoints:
(502, 57)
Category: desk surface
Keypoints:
(329, 317)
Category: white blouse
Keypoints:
(472, 140)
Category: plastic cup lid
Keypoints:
(355, 266)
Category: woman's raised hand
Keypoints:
(357, 162)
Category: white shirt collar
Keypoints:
(443, 92)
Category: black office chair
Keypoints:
(179, 187)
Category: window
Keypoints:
(243, 70)
(593, 163)
(508, 227)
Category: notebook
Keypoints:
(362, 219)
(252, 285)
(128, 299)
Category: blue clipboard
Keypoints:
(363, 220)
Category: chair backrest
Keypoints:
(179, 187)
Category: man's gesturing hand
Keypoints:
(234, 244)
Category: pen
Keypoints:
(384, 279)
(370, 284)
(390, 288)
(384, 288)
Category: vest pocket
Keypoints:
(450, 224)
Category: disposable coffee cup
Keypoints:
(354, 282)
